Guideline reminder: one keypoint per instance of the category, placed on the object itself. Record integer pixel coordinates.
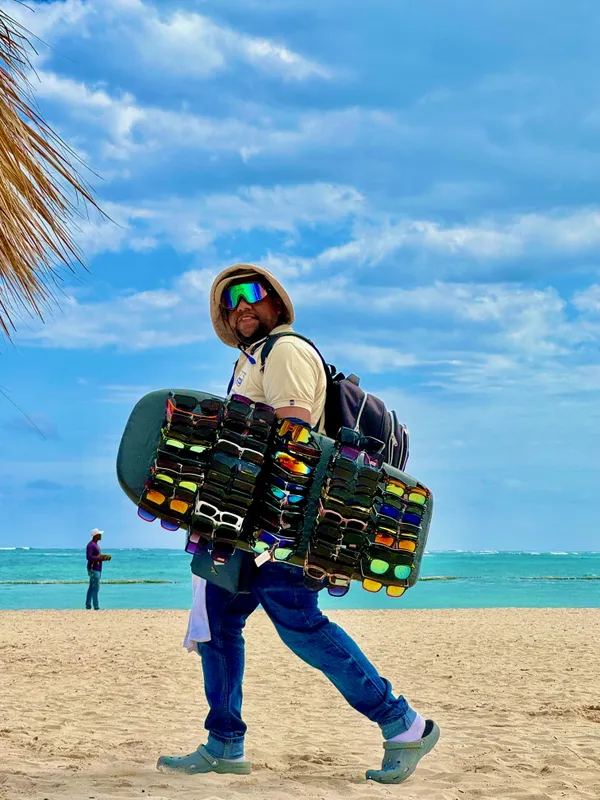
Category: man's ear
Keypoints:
(279, 306)
(225, 318)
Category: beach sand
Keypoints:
(89, 700)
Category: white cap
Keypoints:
(95, 532)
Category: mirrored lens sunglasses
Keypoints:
(294, 431)
(174, 445)
(291, 464)
(252, 292)
(379, 567)
(286, 497)
(409, 545)
(288, 485)
(374, 586)
(148, 516)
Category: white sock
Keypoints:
(413, 734)
(239, 758)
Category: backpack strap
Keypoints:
(330, 370)
(269, 344)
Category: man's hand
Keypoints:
(105, 557)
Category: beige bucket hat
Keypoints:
(223, 280)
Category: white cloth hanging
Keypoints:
(198, 629)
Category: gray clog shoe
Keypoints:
(201, 761)
(401, 758)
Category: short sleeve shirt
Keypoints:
(92, 554)
(294, 375)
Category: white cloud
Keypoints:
(372, 358)
(198, 220)
(178, 43)
(191, 44)
(190, 224)
(135, 130)
(49, 20)
(501, 325)
(118, 117)
(124, 393)
(552, 234)
(477, 332)
(588, 299)
(134, 322)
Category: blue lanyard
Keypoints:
(250, 359)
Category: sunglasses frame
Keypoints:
(250, 302)
(285, 500)
(245, 439)
(164, 522)
(258, 458)
(388, 586)
(283, 474)
(278, 481)
(299, 451)
(282, 454)
(329, 575)
(323, 512)
(177, 464)
(301, 427)
(221, 514)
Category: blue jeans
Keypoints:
(92, 593)
(294, 610)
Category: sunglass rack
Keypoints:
(239, 478)
(225, 442)
(372, 525)
(289, 478)
(368, 526)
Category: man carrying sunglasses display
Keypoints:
(247, 304)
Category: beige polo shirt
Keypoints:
(294, 375)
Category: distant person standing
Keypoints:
(94, 557)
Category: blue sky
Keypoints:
(421, 176)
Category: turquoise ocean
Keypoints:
(138, 578)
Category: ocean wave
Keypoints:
(559, 578)
(15, 548)
(503, 553)
(68, 583)
(75, 553)
(495, 578)
(487, 578)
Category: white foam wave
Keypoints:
(62, 555)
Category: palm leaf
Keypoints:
(39, 191)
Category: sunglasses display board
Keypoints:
(235, 478)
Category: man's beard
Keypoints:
(261, 332)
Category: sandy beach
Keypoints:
(88, 700)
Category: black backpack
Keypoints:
(349, 406)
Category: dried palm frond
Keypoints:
(37, 182)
